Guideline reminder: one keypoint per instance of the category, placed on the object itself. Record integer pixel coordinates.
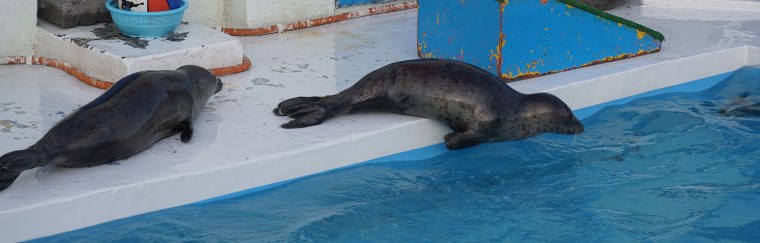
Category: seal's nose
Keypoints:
(573, 126)
(580, 129)
(219, 85)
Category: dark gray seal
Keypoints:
(135, 113)
(476, 104)
(603, 4)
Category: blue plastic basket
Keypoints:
(146, 24)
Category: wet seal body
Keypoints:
(476, 104)
(136, 112)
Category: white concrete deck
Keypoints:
(238, 144)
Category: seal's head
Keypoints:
(205, 81)
(548, 113)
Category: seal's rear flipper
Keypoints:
(304, 111)
(6, 182)
(307, 116)
(286, 107)
(13, 163)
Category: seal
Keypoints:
(603, 4)
(738, 95)
(135, 113)
(478, 106)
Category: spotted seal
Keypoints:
(478, 106)
(135, 113)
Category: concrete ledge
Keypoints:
(97, 83)
(104, 54)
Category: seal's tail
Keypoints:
(13, 163)
(307, 111)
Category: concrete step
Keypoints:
(103, 54)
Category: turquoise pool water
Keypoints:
(675, 166)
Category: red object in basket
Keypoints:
(158, 5)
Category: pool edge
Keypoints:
(430, 132)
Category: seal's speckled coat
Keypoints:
(477, 105)
(136, 112)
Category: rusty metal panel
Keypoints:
(531, 37)
(463, 30)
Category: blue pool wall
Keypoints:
(692, 86)
(440, 148)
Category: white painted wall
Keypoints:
(235, 13)
(753, 55)
(705, 4)
(251, 14)
(19, 20)
(262, 13)
(206, 12)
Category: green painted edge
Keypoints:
(657, 35)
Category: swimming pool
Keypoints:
(666, 165)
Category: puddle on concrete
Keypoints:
(265, 82)
(6, 125)
(208, 109)
(174, 36)
(7, 106)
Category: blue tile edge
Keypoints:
(691, 86)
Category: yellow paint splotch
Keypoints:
(520, 74)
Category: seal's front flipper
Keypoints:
(186, 129)
(460, 140)
(13, 163)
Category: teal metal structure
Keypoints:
(519, 39)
